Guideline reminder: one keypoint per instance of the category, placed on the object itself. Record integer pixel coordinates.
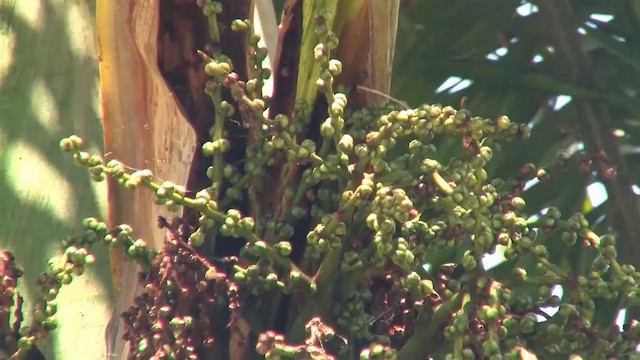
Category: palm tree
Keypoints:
(567, 68)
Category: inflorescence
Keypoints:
(381, 204)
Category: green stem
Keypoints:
(458, 341)
(214, 34)
(420, 344)
(553, 267)
(272, 254)
(325, 276)
(216, 134)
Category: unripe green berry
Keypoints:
(540, 250)
(520, 272)
(334, 67)
(542, 175)
(610, 252)
(490, 347)
(503, 123)
(196, 239)
(468, 354)
(132, 183)
(326, 129)
(64, 279)
(346, 143)
(427, 287)
(331, 41)
(412, 280)
(239, 277)
(207, 148)
(518, 203)
(468, 261)
(90, 259)
(66, 145)
(239, 25)
(486, 153)
(321, 85)
(75, 142)
(569, 237)
(260, 246)
(220, 69)
(607, 240)
(510, 253)
(481, 174)
(284, 248)
(271, 280)
(132, 251)
(429, 165)
(247, 223)
(319, 53)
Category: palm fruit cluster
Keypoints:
(11, 306)
(174, 315)
(375, 250)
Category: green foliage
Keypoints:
(507, 58)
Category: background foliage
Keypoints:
(568, 68)
(574, 80)
(503, 57)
